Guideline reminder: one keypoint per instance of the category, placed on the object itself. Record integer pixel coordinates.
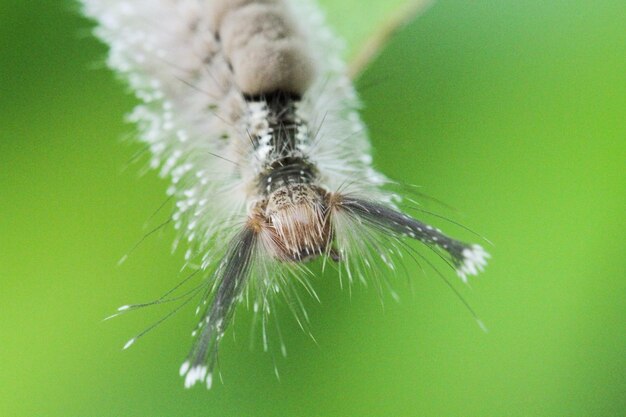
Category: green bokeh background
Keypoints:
(512, 111)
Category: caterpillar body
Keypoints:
(250, 112)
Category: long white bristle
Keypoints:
(129, 343)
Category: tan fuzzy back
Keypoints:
(264, 47)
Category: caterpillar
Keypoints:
(247, 107)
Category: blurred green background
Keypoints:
(512, 111)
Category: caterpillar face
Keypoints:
(294, 222)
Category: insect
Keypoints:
(247, 107)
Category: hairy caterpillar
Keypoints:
(250, 112)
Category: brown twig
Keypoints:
(372, 47)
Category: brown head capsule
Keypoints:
(296, 227)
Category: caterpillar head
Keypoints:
(293, 222)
